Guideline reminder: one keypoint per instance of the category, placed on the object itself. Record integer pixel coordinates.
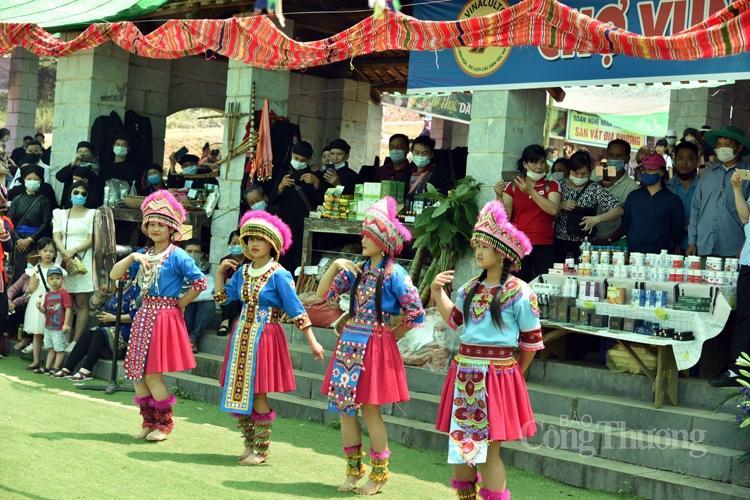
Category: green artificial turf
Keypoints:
(58, 442)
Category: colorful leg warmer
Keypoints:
(466, 490)
(354, 456)
(147, 411)
(245, 423)
(491, 495)
(163, 414)
(379, 463)
(263, 424)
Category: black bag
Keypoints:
(575, 217)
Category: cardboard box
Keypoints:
(694, 301)
(630, 324)
(616, 323)
(616, 295)
(573, 315)
(678, 306)
(600, 320)
(563, 314)
(552, 311)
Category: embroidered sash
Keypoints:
(239, 379)
(347, 368)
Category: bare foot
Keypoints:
(370, 488)
(350, 483)
(253, 459)
(248, 451)
(157, 435)
(144, 432)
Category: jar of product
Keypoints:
(677, 261)
(734, 278)
(633, 273)
(714, 264)
(712, 277)
(618, 258)
(595, 258)
(604, 257)
(731, 265)
(641, 272)
(637, 259)
(693, 262)
(586, 257)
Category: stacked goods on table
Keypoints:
(618, 263)
(337, 205)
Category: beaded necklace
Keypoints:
(146, 277)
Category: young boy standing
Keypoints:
(58, 316)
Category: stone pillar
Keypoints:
(503, 123)
(22, 96)
(148, 95)
(272, 85)
(702, 106)
(90, 83)
(308, 98)
(352, 117)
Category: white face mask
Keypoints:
(558, 176)
(534, 176)
(725, 154)
(578, 181)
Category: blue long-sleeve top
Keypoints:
(178, 267)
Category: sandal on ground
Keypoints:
(41, 370)
(62, 373)
(80, 376)
(194, 346)
(222, 331)
(32, 367)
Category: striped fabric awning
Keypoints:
(257, 41)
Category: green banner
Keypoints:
(455, 107)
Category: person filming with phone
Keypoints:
(189, 165)
(83, 167)
(297, 192)
(532, 203)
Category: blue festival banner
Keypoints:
(533, 67)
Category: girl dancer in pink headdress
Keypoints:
(485, 401)
(257, 358)
(158, 337)
(367, 370)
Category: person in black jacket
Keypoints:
(154, 180)
(341, 174)
(31, 214)
(424, 171)
(18, 153)
(189, 164)
(82, 164)
(121, 168)
(45, 189)
(297, 192)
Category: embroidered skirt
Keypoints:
(273, 365)
(485, 399)
(382, 379)
(159, 340)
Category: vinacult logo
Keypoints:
(481, 61)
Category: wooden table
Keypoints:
(195, 220)
(664, 379)
(333, 226)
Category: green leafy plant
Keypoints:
(181, 393)
(444, 230)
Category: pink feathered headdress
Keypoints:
(164, 208)
(261, 224)
(383, 227)
(495, 230)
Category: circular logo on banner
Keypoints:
(482, 61)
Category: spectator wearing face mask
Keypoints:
(44, 188)
(255, 198)
(189, 164)
(685, 181)
(396, 167)
(121, 168)
(551, 157)
(532, 203)
(46, 152)
(34, 152)
(231, 311)
(424, 170)
(654, 216)
(297, 192)
(199, 312)
(85, 165)
(154, 180)
(671, 138)
(18, 153)
(618, 156)
(560, 170)
(706, 153)
(715, 226)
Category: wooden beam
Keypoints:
(394, 62)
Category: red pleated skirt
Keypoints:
(273, 365)
(509, 410)
(169, 350)
(383, 380)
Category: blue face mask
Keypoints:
(340, 165)
(397, 156)
(261, 205)
(618, 164)
(191, 170)
(154, 179)
(298, 165)
(78, 200)
(421, 161)
(650, 179)
(235, 249)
